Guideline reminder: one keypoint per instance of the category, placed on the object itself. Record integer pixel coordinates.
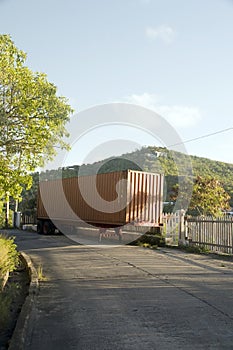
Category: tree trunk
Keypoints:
(7, 213)
(16, 205)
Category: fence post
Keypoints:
(181, 240)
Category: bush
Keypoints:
(197, 249)
(150, 240)
(9, 257)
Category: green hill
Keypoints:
(152, 159)
(158, 159)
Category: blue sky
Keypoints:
(172, 56)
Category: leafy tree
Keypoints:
(29, 197)
(208, 198)
(181, 193)
(32, 120)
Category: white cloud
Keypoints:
(164, 33)
(145, 100)
(178, 115)
(181, 116)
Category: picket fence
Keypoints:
(28, 219)
(172, 227)
(214, 234)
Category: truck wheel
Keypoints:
(47, 228)
(40, 227)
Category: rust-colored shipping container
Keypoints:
(104, 200)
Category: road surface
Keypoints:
(126, 298)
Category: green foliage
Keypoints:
(182, 192)
(196, 249)
(9, 257)
(29, 197)
(209, 197)
(148, 240)
(7, 299)
(32, 120)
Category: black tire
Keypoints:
(48, 228)
(40, 227)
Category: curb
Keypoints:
(24, 325)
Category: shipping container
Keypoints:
(104, 200)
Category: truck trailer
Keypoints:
(105, 200)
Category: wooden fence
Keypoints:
(28, 219)
(215, 234)
(172, 227)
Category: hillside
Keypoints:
(162, 160)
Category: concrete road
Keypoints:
(126, 298)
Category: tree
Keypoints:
(180, 194)
(32, 119)
(208, 197)
(29, 197)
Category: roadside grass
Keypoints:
(196, 249)
(40, 274)
(9, 260)
(9, 257)
(203, 249)
(152, 241)
(5, 302)
(6, 297)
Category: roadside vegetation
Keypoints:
(196, 249)
(32, 123)
(14, 285)
(148, 240)
(154, 241)
(40, 274)
(9, 260)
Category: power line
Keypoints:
(202, 137)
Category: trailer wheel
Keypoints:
(40, 227)
(48, 228)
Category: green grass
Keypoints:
(40, 273)
(197, 249)
(9, 260)
(6, 297)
